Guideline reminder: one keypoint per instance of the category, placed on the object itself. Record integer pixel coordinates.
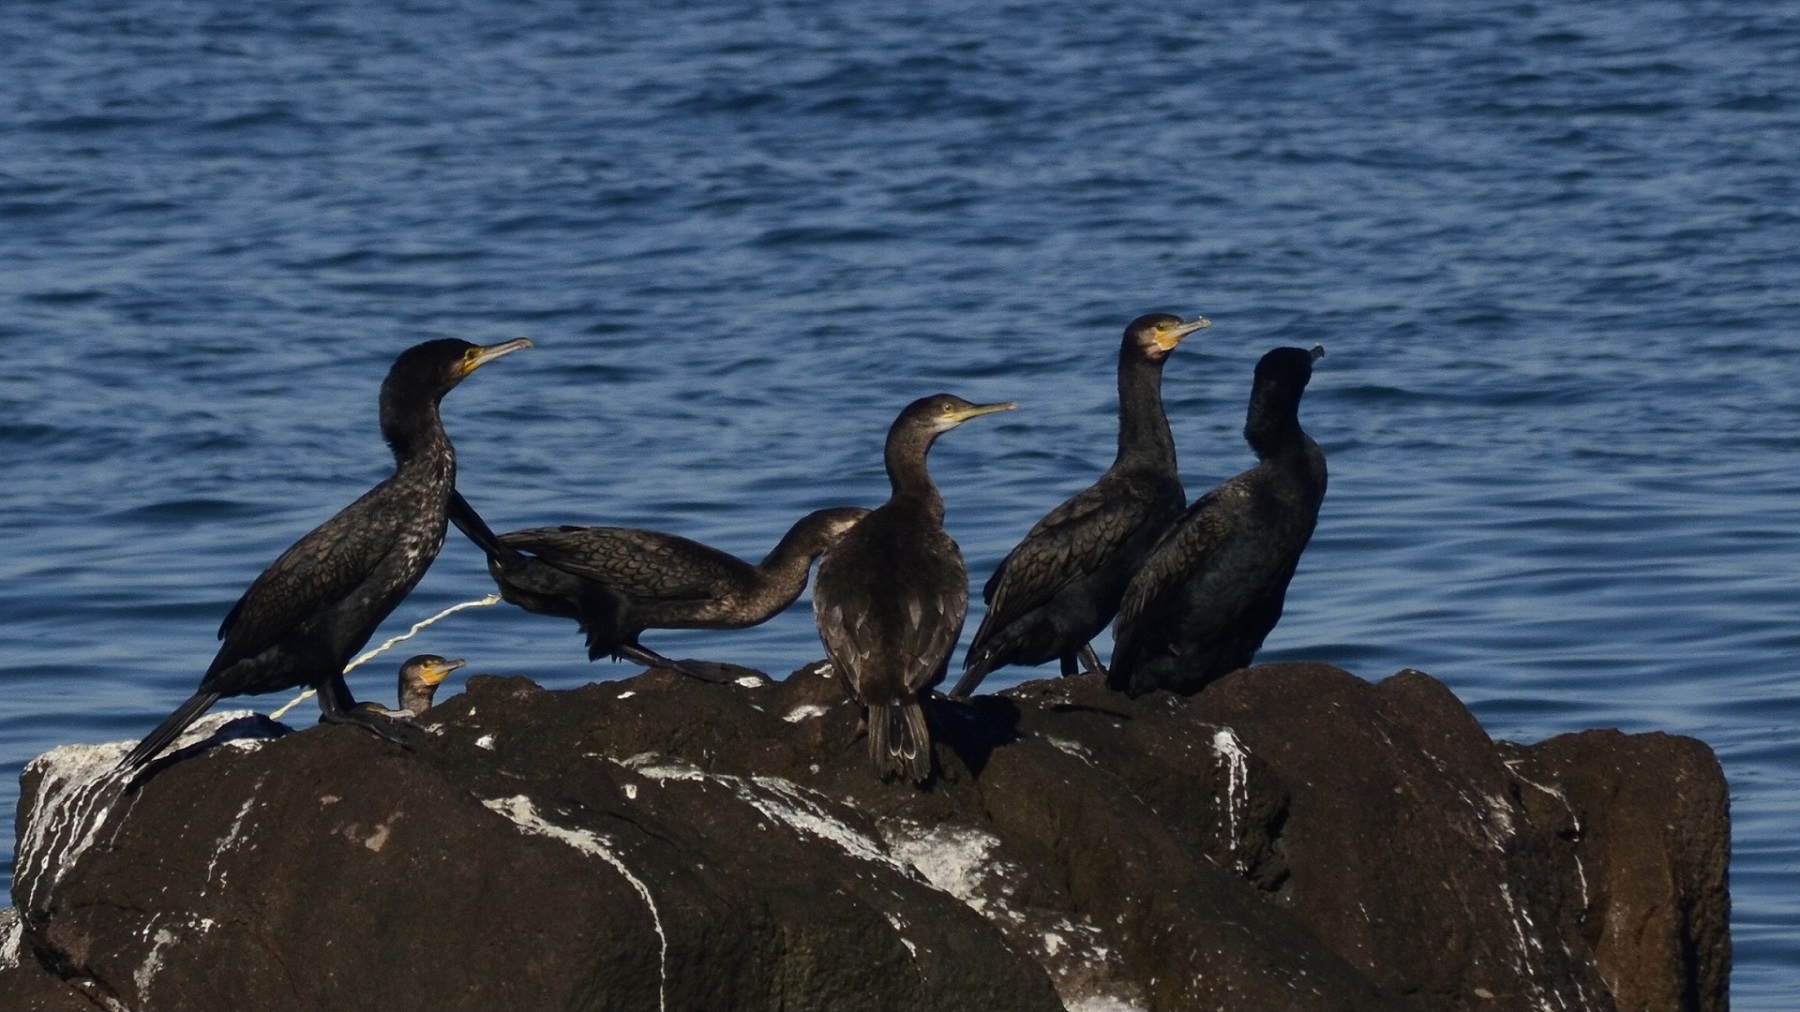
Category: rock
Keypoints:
(1293, 838)
(1639, 823)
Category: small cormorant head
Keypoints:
(1156, 334)
(827, 526)
(419, 678)
(434, 367)
(943, 412)
(1288, 367)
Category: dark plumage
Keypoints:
(300, 622)
(419, 679)
(1213, 587)
(891, 597)
(1053, 593)
(617, 582)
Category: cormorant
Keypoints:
(617, 582)
(1053, 593)
(300, 622)
(1213, 587)
(419, 679)
(891, 597)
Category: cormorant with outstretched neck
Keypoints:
(419, 680)
(891, 597)
(1053, 593)
(300, 622)
(1213, 587)
(617, 581)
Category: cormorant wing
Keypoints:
(1184, 554)
(313, 576)
(940, 620)
(1074, 540)
(645, 564)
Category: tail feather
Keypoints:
(974, 670)
(899, 741)
(169, 729)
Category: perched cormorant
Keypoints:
(300, 622)
(1053, 593)
(891, 597)
(1213, 587)
(617, 582)
(419, 679)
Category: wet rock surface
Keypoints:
(1293, 838)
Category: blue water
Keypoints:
(1551, 250)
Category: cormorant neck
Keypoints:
(1273, 425)
(781, 575)
(906, 450)
(1144, 436)
(417, 699)
(412, 426)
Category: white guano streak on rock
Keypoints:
(954, 860)
(1513, 765)
(782, 801)
(231, 837)
(1493, 819)
(160, 940)
(12, 933)
(805, 711)
(1102, 1004)
(1232, 756)
(524, 815)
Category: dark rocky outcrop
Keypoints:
(1293, 838)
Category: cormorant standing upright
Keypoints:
(618, 581)
(302, 620)
(890, 598)
(1212, 588)
(1053, 593)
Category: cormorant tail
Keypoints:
(168, 730)
(899, 741)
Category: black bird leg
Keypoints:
(651, 659)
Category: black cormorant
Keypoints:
(617, 582)
(300, 621)
(891, 597)
(419, 679)
(1053, 593)
(1213, 587)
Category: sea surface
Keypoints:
(1552, 251)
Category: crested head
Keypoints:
(1154, 335)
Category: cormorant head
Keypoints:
(419, 678)
(1288, 366)
(824, 527)
(1154, 335)
(1281, 377)
(943, 412)
(435, 367)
